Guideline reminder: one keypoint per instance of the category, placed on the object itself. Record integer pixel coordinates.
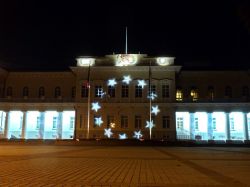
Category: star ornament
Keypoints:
(137, 134)
(152, 96)
(150, 124)
(141, 83)
(155, 110)
(98, 121)
(112, 82)
(122, 136)
(95, 106)
(108, 133)
(126, 79)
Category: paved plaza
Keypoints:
(51, 165)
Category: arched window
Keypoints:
(57, 92)
(25, 92)
(228, 92)
(9, 91)
(41, 92)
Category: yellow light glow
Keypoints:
(165, 61)
(85, 61)
(126, 59)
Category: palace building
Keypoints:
(125, 96)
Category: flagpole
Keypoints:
(88, 86)
(150, 102)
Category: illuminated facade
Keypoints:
(125, 96)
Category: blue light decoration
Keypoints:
(112, 82)
(141, 83)
(152, 96)
(126, 79)
(100, 92)
(108, 133)
(137, 134)
(150, 124)
(155, 110)
(95, 106)
(98, 121)
(123, 136)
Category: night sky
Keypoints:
(49, 35)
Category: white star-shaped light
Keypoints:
(122, 136)
(152, 96)
(95, 106)
(155, 110)
(150, 124)
(112, 82)
(98, 121)
(126, 79)
(100, 92)
(137, 135)
(108, 133)
(141, 83)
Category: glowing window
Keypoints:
(124, 122)
(194, 94)
(111, 91)
(179, 122)
(214, 124)
(54, 123)
(138, 91)
(165, 122)
(179, 95)
(196, 124)
(110, 121)
(138, 122)
(124, 90)
(165, 90)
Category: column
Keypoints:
(41, 130)
(210, 126)
(6, 127)
(246, 135)
(24, 125)
(227, 128)
(59, 125)
(191, 115)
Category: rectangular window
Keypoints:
(179, 95)
(71, 122)
(124, 90)
(232, 124)
(153, 89)
(138, 122)
(98, 91)
(111, 91)
(179, 123)
(165, 91)
(165, 122)
(196, 124)
(124, 122)
(38, 123)
(194, 94)
(54, 123)
(214, 124)
(138, 91)
(84, 91)
(110, 122)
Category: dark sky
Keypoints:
(51, 34)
